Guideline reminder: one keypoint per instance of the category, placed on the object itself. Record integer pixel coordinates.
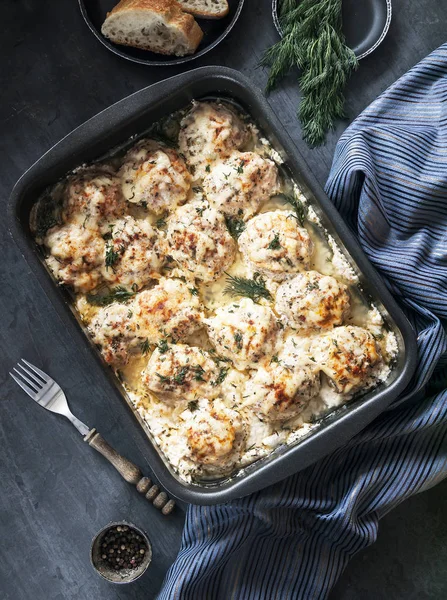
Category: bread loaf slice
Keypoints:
(157, 25)
(209, 9)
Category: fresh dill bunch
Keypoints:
(235, 226)
(251, 288)
(117, 294)
(314, 42)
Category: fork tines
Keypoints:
(35, 378)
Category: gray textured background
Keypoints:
(55, 492)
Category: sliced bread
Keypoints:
(209, 9)
(157, 25)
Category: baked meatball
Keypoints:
(280, 390)
(116, 333)
(244, 332)
(239, 185)
(76, 256)
(132, 255)
(311, 301)
(168, 310)
(274, 244)
(347, 355)
(198, 240)
(181, 372)
(91, 198)
(215, 436)
(210, 132)
(155, 175)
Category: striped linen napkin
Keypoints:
(293, 540)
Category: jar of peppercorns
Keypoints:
(121, 552)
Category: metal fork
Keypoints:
(47, 393)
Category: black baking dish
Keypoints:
(113, 127)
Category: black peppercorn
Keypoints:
(123, 548)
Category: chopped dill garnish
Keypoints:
(117, 294)
(208, 168)
(240, 168)
(145, 347)
(234, 226)
(275, 359)
(163, 346)
(180, 377)
(275, 244)
(198, 372)
(223, 372)
(194, 291)
(163, 378)
(160, 223)
(251, 288)
(201, 210)
(193, 405)
(197, 189)
(238, 340)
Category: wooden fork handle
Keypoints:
(130, 472)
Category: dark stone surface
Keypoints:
(56, 492)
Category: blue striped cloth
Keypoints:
(293, 540)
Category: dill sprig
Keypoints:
(111, 256)
(314, 42)
(298, 206)
(163, 346)
(251, 288)
(234, 226)
(46, 216)
(145, 347)
(117, 294)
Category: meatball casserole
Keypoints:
(206, 280)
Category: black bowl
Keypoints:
(365, 23)
(215, 30)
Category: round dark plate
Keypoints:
(214, 30)
(365, 23)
